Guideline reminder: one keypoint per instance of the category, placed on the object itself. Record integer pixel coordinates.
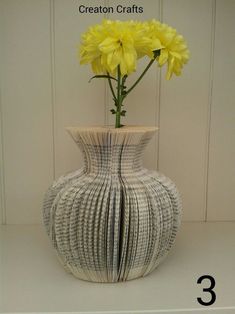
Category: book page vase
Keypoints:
(112, 220)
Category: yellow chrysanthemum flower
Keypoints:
(174, 50)
(114, 43)
(118, 48)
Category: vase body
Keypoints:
(112, 220)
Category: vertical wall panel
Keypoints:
(2, 193)
(221, 180)
(184, 106)
(142, 103)
(26, 107)
(77, 102)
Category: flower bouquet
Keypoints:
(114, 47)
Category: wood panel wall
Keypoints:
(43, 89)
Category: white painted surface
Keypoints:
(77, 102)
(2, 192)
(221, 183)
(26, 107)
(184, 107)
(34, 281)
(44, 89)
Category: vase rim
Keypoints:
(112, 129)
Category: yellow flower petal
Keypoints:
(96, 66)
(109, 45)
(170, 68)
(163, 57)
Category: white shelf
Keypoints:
(32, 280)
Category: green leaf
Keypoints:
(115, 102)
(113, 111)
(123, 112)
(102, 76)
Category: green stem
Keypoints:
(111, 88)
(118, 120)
(121, 94)
(141, 76)
(119, 100)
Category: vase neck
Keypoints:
(110, 151)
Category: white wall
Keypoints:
(43, 89)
